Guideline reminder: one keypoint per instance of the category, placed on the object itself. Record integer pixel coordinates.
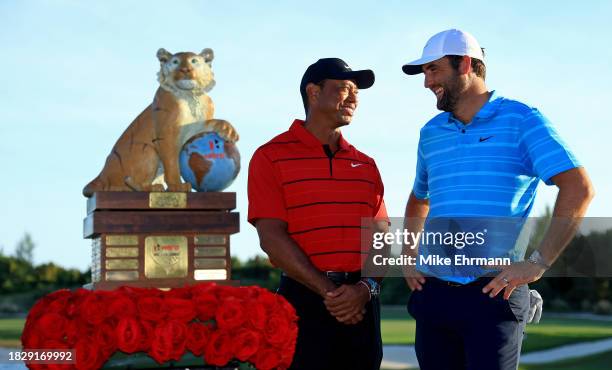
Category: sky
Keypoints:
(76, 73)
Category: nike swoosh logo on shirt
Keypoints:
(356, 164)
(484, 139)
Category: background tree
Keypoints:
(25, 249)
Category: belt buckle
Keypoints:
(453, 284)
(336, 273)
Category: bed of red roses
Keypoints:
(220, 323)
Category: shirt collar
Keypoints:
(486, 111)
(303, 135)
(491, 106)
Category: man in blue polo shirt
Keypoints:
(479, 162)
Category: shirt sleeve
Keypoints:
(421, 186)
(380, 210)
(264, 190)
(546, 154)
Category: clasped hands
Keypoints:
(347, 302)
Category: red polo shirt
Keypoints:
(322, 196)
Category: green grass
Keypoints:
(10, 332)
(595, 362)
(398, 328)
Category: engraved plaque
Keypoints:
(210, 274)
(121, 240)
(121, 252)
(209, 251)
(122, 264)
(210, 239)
(165, 257)
(209, 263)
(167, 200)
(121, 275)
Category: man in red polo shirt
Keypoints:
(309, 190)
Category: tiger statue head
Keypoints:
(186, 72)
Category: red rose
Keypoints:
(93, 309)
(74, 306)
(58, 301)
(289, 349)
(202, 288)
(230, 314)
(52, 326)
(252, 292)
(148, 331)
(105, 338)
(246, 344)
(256, 314)
(122, 306)
(198, 335)
(39, 308)
(151, 308)
(179, 309)
(72, 332)
(88, 355)
(129, 334)
(288, 309)
(277, 330)
(168, 342)
(267, 359)
(269, 302)
(205, 302)
(225, 291)
(218, 351)
(31, 337)
(181, 293)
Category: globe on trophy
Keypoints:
(208, 162)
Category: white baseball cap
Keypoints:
(449, 42)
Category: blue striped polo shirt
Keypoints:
(488, 168)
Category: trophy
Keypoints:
(148, 228)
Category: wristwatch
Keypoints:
(536, 258)
(373, 286)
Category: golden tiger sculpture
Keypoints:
(151, 144)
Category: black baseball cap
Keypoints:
(334, 69)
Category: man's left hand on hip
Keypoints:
(512, 276)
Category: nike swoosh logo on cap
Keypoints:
(484, 139)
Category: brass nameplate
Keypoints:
(210, 274)
(209, 263)
(167, 200)
(121, 252)
(209, 252)
(121, 240)
(122, 264)
(165, 257)
(210, 239)
(121, 275)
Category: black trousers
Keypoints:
(323, 342)
(461, 328)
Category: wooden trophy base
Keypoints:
(161, 240)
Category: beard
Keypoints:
(453, 88)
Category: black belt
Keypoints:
(339, 277)
(480, 282)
